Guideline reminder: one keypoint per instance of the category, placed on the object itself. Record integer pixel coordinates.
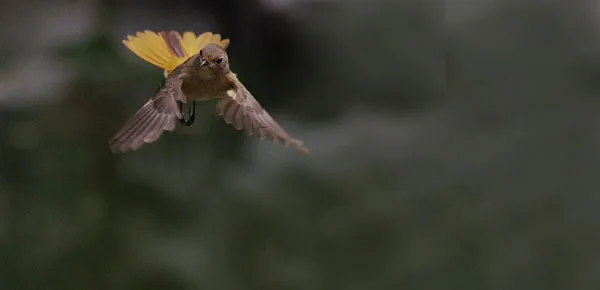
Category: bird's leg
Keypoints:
(191, 114)
(182, 121)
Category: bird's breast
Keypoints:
(205, 89)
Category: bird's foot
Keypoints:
(191, 115)
(187, 122)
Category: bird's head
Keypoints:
(212, 58)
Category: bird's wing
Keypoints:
(240, 109)
(159, 114)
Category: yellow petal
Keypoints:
(156, 44)
(207, 37)
(189, 43)
(174, 43)
(203, 39)
(154, 48)
(224, 43)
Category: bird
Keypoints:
(195, 69)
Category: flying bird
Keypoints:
(195, 69)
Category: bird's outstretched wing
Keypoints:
(240, 109)
(159, 114)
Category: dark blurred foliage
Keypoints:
(455, 147)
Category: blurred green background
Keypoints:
(456, 146)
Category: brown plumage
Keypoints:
(203, 76)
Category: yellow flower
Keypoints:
(169, 49)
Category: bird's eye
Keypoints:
(219, 61)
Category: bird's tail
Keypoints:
(169, 49)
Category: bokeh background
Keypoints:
(456, 146)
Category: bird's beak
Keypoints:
(203, 62)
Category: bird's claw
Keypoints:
(191, 115)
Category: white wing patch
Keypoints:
(232, 94)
